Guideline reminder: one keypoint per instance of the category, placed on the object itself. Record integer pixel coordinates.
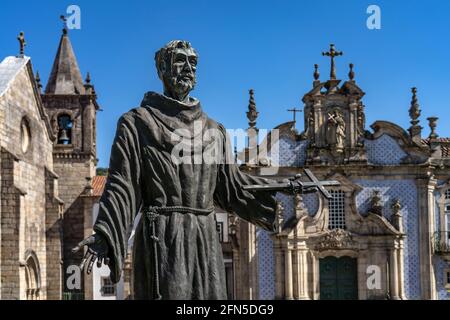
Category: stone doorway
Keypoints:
(338, 278)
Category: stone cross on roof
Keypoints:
(332, 53)
(294, 111)
(22, 43)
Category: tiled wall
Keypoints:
(406, 192)
(439, 266)
(266, 265)
(384, 151)
(291, 153)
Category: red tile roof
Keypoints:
(98, 184)
(445, 146)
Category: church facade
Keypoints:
(385, 234)
(47, 171)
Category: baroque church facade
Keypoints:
(47, 173)
(385, 234)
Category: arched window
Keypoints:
(64, 129)
(32, 276)
(336, 214)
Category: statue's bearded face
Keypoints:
(179, 78)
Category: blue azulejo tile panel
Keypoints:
(287, 202)
(440, 266)
(384, 151)
(291, 153)
(406, 192)
(266, 265)
(311, 201)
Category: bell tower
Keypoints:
(334, 118)
(71, 106)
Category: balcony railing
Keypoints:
(441, 242)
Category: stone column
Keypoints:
(425, 196)
(279, 269)
(302, 273)
(401, 277)
(288, 273)
(319, 136)
(353, 123)
(393, 274)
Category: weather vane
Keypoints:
(64, 20)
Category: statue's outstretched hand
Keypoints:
(97, 249)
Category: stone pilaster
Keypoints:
(426, 187)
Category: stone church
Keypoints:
(385, 234)
(47, 172)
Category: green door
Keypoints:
(338, 278)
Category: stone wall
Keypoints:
(23, 182)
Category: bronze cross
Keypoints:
(22, 42)
(332, 53)
(294, 111)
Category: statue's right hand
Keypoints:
(97, 249)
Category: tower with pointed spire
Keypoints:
(71, 106)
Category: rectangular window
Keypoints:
(336, 205)
(108, 288)
(447, 194)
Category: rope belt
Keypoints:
(152, 213)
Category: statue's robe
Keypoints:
(143, 173)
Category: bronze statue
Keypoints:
(177, 253)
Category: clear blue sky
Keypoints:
(270, 46)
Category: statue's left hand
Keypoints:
(97, 249)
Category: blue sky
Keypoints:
(270, 46)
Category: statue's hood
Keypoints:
(161, 104)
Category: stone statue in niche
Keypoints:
(336, 131)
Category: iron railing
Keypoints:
(441, 242)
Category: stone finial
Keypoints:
(351, 73)
(279, 214)
(87, 84)
(415, 130)
(22, 44)
(376, 205)
(414, 110)
(38, 81)
(332, 53)
(397, 218)
(252, 113)
(88, 78)
(432, 122)
(316, 72)
(299, 205)
(316, 75)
